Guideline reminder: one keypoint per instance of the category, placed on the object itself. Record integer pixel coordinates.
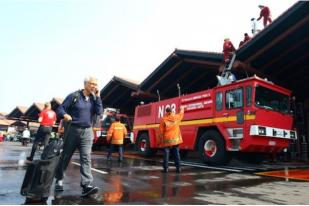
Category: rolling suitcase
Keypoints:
(40, 174)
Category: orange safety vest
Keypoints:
(117, 133)
(170, 131)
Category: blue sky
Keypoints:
(49, 46)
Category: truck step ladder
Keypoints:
(227, 77)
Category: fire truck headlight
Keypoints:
(262, 131)
(292, 135)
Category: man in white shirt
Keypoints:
(26, 133)
(26, 136)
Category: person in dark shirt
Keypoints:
(79, 108)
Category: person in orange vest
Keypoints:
(228, 49)
(115, 135)
(171, 137)
(265, 13)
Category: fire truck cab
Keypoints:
(250, 117)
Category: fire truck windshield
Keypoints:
(271, 100)
(107, 121)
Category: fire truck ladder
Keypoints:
(226, 76)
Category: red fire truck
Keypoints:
(100, 130)
(249, 117)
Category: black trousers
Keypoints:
(175, 152)
(111, 150)
(43, 134)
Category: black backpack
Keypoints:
(76, 95)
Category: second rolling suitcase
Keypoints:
(40, 174)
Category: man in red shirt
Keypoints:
(47, 119)
(265, 13)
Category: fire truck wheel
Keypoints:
(143, 146)
(212, 148)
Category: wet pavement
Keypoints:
(138, 180)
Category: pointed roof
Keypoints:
(33, 111)
(117, 94)
(17, 112)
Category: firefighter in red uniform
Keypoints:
(47, 119)
(246, 39)
(171, 137)
(265, 13)
(228, 49)
(115, 135)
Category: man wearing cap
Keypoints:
(47, 119)
(171, 137)
(265, 13)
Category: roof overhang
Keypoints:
(117, 94)
(55, 103)
(191, 70)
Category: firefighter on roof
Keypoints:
(171, 137)
(246, 39)
(115, 136)
(265, 13)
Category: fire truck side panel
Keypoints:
(188, 134)
(153, 138)
(144, 114)
(198, 106)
